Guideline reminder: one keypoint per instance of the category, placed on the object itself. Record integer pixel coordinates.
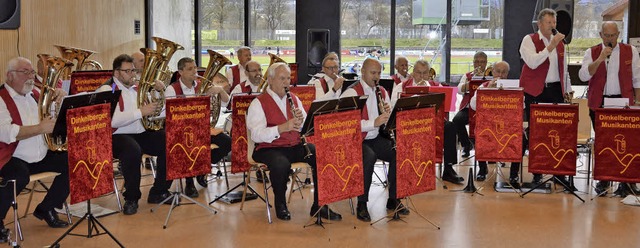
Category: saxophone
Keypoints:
(216, 63)
(47, 107)
(156, 67)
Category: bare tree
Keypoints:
(274, 11)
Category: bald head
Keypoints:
(254, 72)
(138, 60)
(501, 70)
(371, 70)
(609, 33)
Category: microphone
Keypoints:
(608, 56)
(555, 31)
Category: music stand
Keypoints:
(330, 107)
(60, 130)
(408, 103)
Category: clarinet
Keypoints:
(303, 138)
(381, 110)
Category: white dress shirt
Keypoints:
(127, 121)
(32, 149)
(462, 82)
(402, 78)
(257, 120)
(534, 59)
(612, 86)
(238, 88)
(243, 74)
(186, 91)
(320, 95)
(372, 109)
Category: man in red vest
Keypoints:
(374, 146)
(131, 140)
(237, 73)
(328, 83)
(138, 62)
(613, 71)
(188, 86)
(402, 68)
(23, 150)
(544, 72)
(461, 119)
(254, 77)
(275, 126)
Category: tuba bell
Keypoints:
(273, 59)
(80, 55)
(216, 63)
(156, 67)
(47, 107)
(432, 73)
(488, 71)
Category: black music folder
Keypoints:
(83, 100)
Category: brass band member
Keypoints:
(23, 151)
(328, 83)
(237, 73)
(275, 128)
(138, 62)
(187, 86)
(613, 71)
(543, 73)
(423, 79)
(131, 140)
(402, 68)
(461, 119)
(374, 146)
(254, 77)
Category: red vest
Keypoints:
(235, 71)
(396, 79)
(365, 114)
(532, 80)
(599, 79)
(7, 150)
(466, 98)
(178, 89)
(275, 117)
(245, 87)
(409, 82)
(323, 83)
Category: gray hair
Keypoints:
(422, 62)
(13, 63)
(272, 69)
(480, 54)
(243, 49)
(546, 11)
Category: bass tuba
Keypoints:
(273, 59)
(156, 67)
(79, 55)
(216, 63)
(47, 107)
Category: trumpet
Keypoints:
(303, 138)
(381, 110)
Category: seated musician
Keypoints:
(275, 128)
(131, 140)
(461, 119)
(421, 75)
(237, 73)
(254, 78)
(23, 151)
(402, 67)
(328, 83)
(187, 85)
(374, 145)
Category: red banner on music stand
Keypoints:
(306, 94)
(616, 148)
(239, 145)
(339, 156)
(553, 139)
(499, 125)
(294, 73)
(89, 151)
(88, 81)
(415, 151)
(188, 140)
(473, 87)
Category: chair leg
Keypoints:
(117, 192)
(33, 189)
(266, 198)
(153, 167)
(66, 210)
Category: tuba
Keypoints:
(488, 72)
(432, 73)
(273, 59)
(156, 67)
(216, 63)
(79, 55)
(47, 107)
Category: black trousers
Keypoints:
(20, 170)
(279, 160)
(461, 120)
(128, 148)
(223, 142)
(450, 152)
(550, 94)
(372, 150)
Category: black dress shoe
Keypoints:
(602, 187)
(158, 198)
(362, 212)
(622, 191)
(515, 182)
(481, 177)
(466, 153)
(130, 207)
(452, 177)
(325, 213)
(393, 204)
(537, 179)
(190, 190)
(282, 212)
(261, 178)
(51, 217)
(202, 180)
(4, 234)
(563, 181)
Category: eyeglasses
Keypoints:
(421, 73)
(128, 70)
(610, 35)
(258, 70)
(335, 68)
(25, 72)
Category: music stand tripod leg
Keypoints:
(603, 192)
(318, 220)
(92, 224)
(412, 207)
(395, 215)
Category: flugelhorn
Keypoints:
(80, 56)
(47, 107)
(273, 59)
(216, 63)
(303, 138)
